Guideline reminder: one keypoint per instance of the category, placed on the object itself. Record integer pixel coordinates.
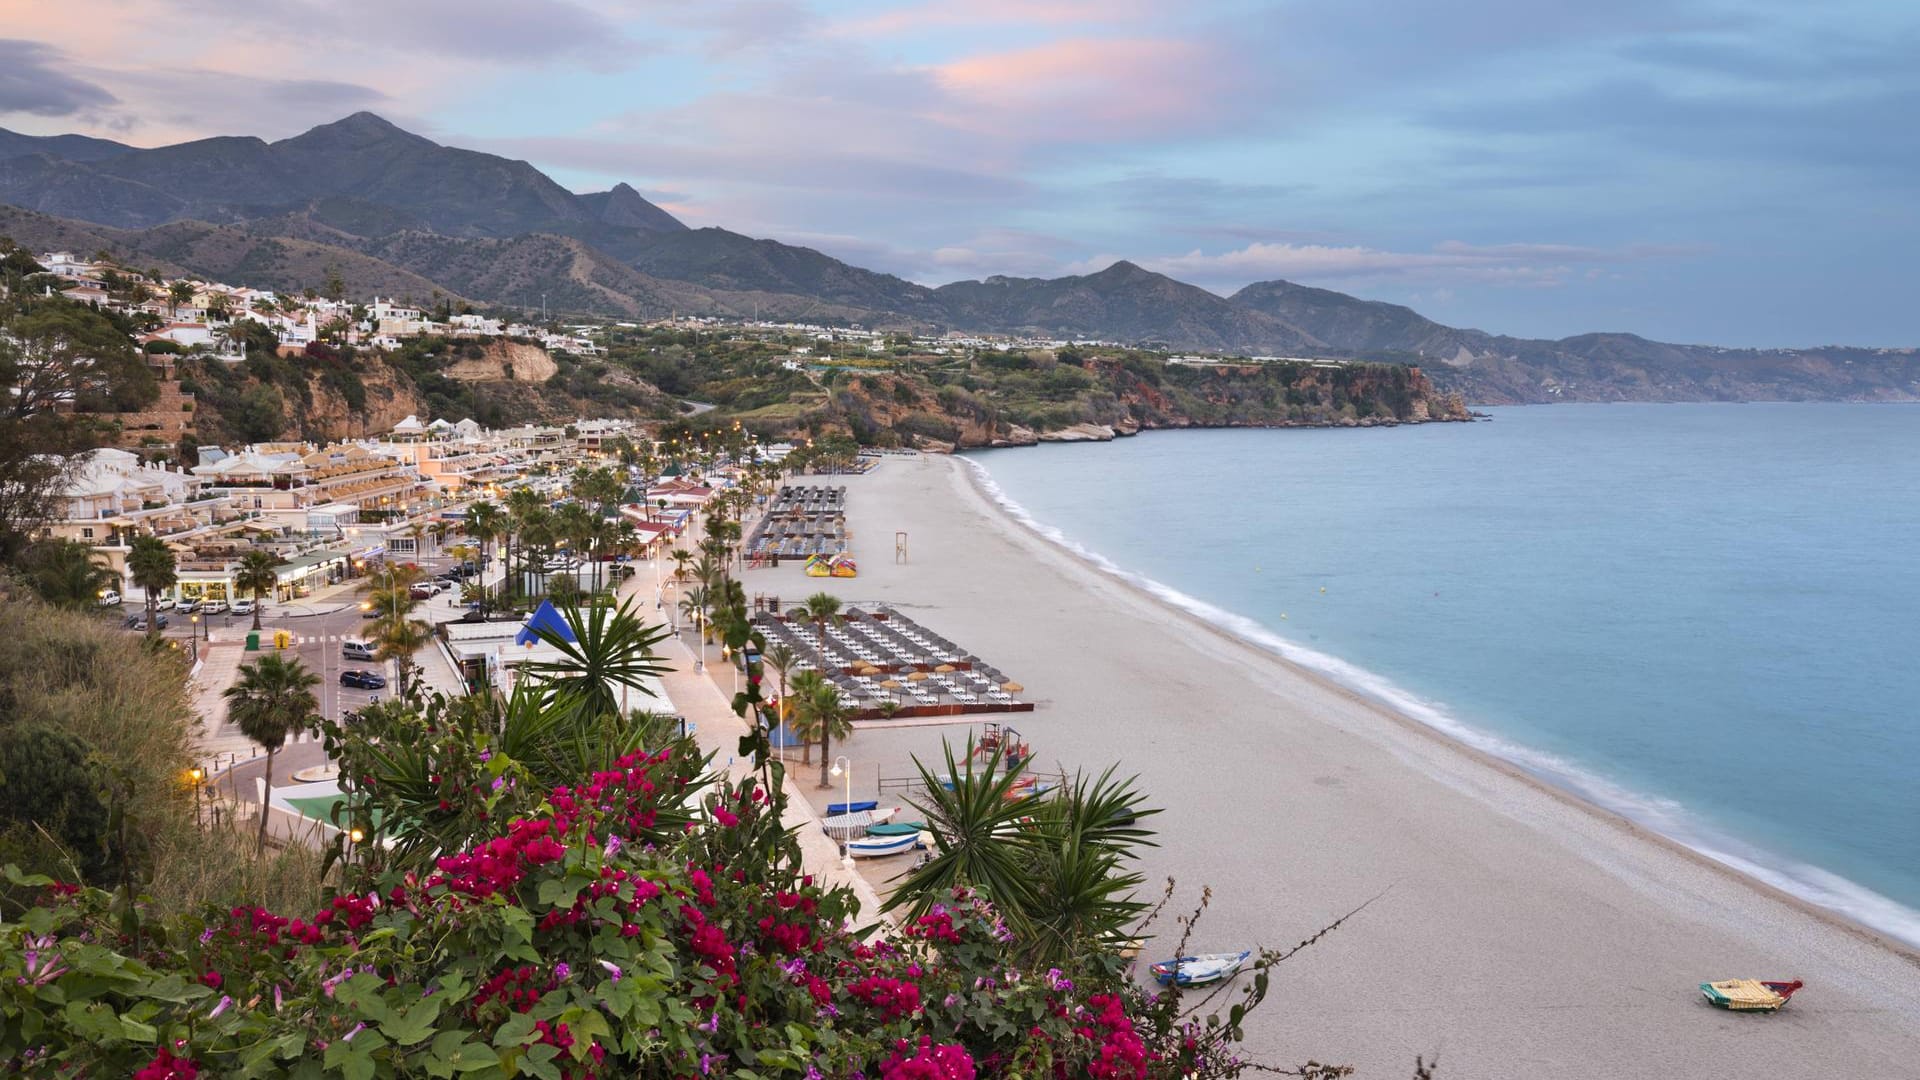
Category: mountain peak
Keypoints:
(360, 128)
(1124, 270)
(627, 208)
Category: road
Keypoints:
(317, 643)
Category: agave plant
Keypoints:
(610, 647)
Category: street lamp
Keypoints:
(841, 765)
(194, 776)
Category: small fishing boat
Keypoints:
(1748, 995)
(859, 823)
(870, 847)
(889, 828)
(851, 807)
(1201, 969)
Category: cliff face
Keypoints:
(1104, 398)
(327, 394)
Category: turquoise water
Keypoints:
(1706, 617)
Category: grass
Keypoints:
(81, 673)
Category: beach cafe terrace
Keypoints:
(886, 666)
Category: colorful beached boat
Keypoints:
(870, 847)
(904, 828)
(1201, 969)
(1749, 995)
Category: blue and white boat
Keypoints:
(1201, 969)
(870, 847)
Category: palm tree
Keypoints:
(150, 564)
(272, 698)
(178, 294)
(781, 659)
(577, 525)
(522, 504)
(822, 716)
(486, 523)
(258, 574)
(693, 604)
(397, 635)
(397, 639)
(822, 608)
(610, 646)
(68, 574)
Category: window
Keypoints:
(86, 534)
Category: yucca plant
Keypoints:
(1055, 866)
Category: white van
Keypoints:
(356, 650)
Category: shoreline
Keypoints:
(1518, 932)
(1016, 517)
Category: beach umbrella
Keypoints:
(890, 684)
(944, 668)
(1012, 688)
(917, 676)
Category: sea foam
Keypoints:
(1665, 817)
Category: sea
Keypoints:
(1705, 617)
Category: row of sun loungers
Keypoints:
(802, 520)
(878, 663)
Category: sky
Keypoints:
(1739, 172)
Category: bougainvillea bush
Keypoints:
(574, 942)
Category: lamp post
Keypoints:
(843, 766)
(194, 776)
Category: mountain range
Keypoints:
(398, 214)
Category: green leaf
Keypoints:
(415, 1024)
(354, 1062)
(559, 892)
(473, 1057)
(136, 1031)
(516, 1031)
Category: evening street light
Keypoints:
(842, 765)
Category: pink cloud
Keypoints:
(937, 14)
(1088, 88)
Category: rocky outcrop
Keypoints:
(505, 361)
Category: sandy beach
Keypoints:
(1517, 933)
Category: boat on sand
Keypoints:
(1748, 995)
(869, 847)
(1200, 969)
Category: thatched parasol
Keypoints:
(1012, 687)
(917, 676)
(890, 684)
(944, 668)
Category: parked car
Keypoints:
(363, 680)
(243, 607)
(421, 591)
(109, 598)
(188, 606)
(213, 607)
(356, 650)
(165, 603)
(139, 622)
